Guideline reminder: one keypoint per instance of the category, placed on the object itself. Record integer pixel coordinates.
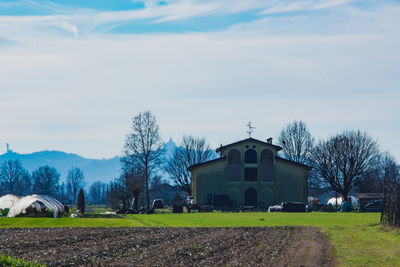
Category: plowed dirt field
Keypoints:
(267, 246)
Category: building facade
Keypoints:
(250, 173)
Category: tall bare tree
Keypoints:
(13, 177)
(75, 181)
(192, 150)
(45, 180)
(144, 147)
(297, 142)
(343, 158)
(133, 179)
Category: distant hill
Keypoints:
(104, 170)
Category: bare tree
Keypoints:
(13, 177)
(144, 147)
(297, 142)
(389, 167)
(117, 194)
(97, 193)
(62, 193)
(133, 179)
(341, 159)
(75, 181)
(192, 150)
(384, 169)
(372, 180)
(24, 185)
(45, 180)
(391, 204)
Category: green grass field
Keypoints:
(357, 238)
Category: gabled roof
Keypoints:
(194, 166)
(277, 148)
(293, 162)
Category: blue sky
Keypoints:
(73, 73)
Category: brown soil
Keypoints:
(269, 246)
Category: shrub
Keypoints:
(80, 204)
(4, 212)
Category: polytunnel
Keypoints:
(332, 201)
(7, 201)
(36, 202)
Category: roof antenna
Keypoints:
(251, 128)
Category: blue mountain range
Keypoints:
(104, 170)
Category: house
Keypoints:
(250, 173)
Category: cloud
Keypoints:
(8, 42)
(90, 20)
(333, 70)
(332, 3)
(70, 28)
(206, 84)
(297, 6)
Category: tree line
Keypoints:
(348, 161)
(45, 180)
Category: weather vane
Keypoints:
(251, 128)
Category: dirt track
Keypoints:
(270, 246)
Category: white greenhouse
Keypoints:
(333, 201)
(7, 201)
(36, 202)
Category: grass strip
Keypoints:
(13, 262)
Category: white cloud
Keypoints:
(331, 3)
(70, 28)
(207, 84)
(304, 5)
(175, 11)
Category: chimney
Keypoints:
(269, 140)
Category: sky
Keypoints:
(74, 73)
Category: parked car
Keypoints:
(189, 200)
(158, 204)
(276, 208)
(374, 206)
(293, 207)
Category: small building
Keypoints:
(365, 198)
(250, 173)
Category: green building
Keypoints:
(251, 173)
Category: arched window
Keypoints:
(266, 165)
(234, 156)
(234, 165)
(250, 156)
(250, 197)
